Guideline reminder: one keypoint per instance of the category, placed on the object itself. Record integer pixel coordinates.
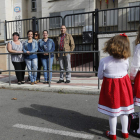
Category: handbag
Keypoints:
(133, 123)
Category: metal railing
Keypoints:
(80, 25)
(125, 19)
(82, 66)
(52, 24)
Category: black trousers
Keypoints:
(39, 67)
(19, 66)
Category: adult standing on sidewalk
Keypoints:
(15, 46)
(31, 46)
(37, 37)
(64, 43)
(46, 45)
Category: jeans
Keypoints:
(32, 64)
(45, 63)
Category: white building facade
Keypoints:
(24, 9)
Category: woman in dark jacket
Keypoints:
(30, 46)
(46, 45)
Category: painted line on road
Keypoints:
(52, 131)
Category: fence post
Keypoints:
(34, 24)
(93, 37)
(5, 30)
(9, 69)
(98, 78)
(139, 14)
(63, 20)
(96, 37)
(49, 69)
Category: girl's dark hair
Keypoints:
(30, 31)
(16, 33)
(45, 31)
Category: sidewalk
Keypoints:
(80, 84)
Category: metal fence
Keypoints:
(35, 24)
(80, 57)
(80, 25)
(125, 19)
(83, 26)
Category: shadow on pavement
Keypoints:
(70, 119)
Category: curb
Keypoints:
(53, 89)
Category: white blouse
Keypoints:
(111, 67)
(135, 65)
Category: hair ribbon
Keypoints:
(123, 34)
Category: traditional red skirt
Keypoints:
(137, 90)
(116, 96)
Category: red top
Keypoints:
(62, 42)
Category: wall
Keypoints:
(3, 15)
(24, 9)
(3, 58)
(125, 3)
(104, 37)
(103, 6)
(31, 14)
(68, 5)
(58, 6)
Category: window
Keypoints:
(33, 5)
(134, 12)
(56, 21)
(77, 20)
(108, 18)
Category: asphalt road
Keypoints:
(52, 116)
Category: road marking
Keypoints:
(52, 131)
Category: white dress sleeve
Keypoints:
(127, 64)
(101, 70)
(135, 65)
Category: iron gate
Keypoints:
(82, 27)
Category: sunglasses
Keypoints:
(36, 34)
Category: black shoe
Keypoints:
(134, 132)
(19, 83)
(45, 82)
(22, 82)
(60, 81)
(67, 81)
(28, 80)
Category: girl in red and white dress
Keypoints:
(116, 96)
(135, 76)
